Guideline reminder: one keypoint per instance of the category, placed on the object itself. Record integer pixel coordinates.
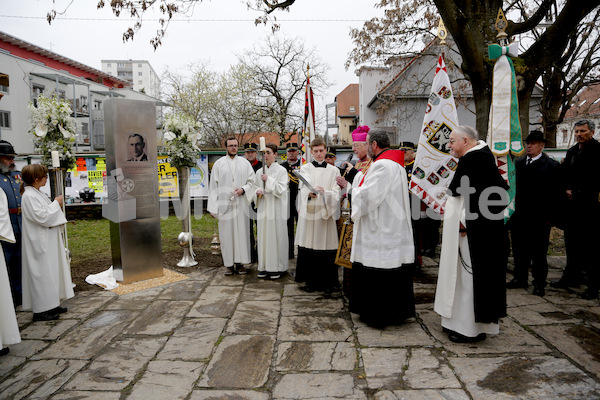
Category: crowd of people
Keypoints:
(297, 205)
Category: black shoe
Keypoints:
(458, 338)
(275, 276)
(4, 351)
(539, 291)
(307, 289)
(262, 274)
(516, 284)
(241, 270)
(50, 315)
(562, 284)
(589, 295)
(59, 310)
(229, 271)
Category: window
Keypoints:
(352, 109)
(120, 64)
(139, 65)
(4, 119)
(37, 90)
(139, 74)
(97, 105)
(108, 65)
(4, 82)
(140, 82)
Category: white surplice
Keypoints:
(232, 211)
(454, 299)
(46, 271)
(9, 328)
(272, 214)
(317, 228)
(382, 233)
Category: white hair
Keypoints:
(467, 131)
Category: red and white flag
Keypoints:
(308, 129)
(434, 166)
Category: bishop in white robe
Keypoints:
(382, 243)
(316, 233)
(271, 197)
(231, 183)
(9, 328)
(46, 270)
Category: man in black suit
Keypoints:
(535, 207)
(292, 163)
(582, 182)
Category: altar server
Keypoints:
(271, 197)
(46, 271)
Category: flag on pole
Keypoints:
(308, 128)
(504, 130)
(434, 166)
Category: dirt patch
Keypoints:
(588, 338)
(557, 315)
(80, 270)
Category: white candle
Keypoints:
(55, 159)
(263, 146)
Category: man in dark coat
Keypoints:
(535, 206)
(10, 182)
(471, 292)
(290, 164)
(582, 182)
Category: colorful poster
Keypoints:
(96, 181)
(167, 179)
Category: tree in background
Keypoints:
(278, 68)
(559, 50)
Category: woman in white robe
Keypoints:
(272, 205)
(46, 271)
(9, 329)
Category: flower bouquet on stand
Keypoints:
(180, 141)
(53, 129)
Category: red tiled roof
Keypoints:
(346, 99)
(586, 103)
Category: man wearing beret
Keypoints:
(535, 204)
(10, 181)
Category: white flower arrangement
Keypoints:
(181, 139)
(53, 128)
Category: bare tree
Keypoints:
(167, 9)
(471, 24)
(278, 67)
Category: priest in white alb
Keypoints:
(271, 198)
(46, 270)
(382, 243)
(231, 182)
(318, 211)
(9, 328)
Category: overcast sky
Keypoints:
(217, 31)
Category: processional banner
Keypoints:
(434, 166)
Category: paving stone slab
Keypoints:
(216, 301)
(118, 365)
(49, 330)
(311, 305)
(85, 303)
(194, 340)
(203, 273)
(167, 380)
(127, 304)
(438, 394)
(255, 318)
(87, 339)
(19, 353)
(407, 334)
(39, 379)
(262, 290)
(384, 368)
(146, 294)
(579, 342)
(426, 370)
(536, 377)
(562, 297)
(314, 328)
(24, 318)
(79, 395)
(183, 290)
(240, 362)
(293, 289)
(512, 338)
(520, 297)
(231, 280)
(160, 318)
(228, 395)
(306, 356)
(589, 315)
(317, 386)
(541, 314)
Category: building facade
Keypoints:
(139, 73)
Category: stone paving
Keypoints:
(238, 337)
